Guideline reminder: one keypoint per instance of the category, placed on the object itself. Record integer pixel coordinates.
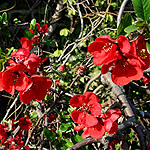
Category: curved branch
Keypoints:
(120, 12)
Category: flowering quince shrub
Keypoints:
(43, 75)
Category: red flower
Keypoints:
(21, 55)
(86, 117)
(25, 123)
(36, 89)
(146, 80)
(61, 68)
(32, 63)
(26, 43)
(126, 64)
(112, 144)
(88, 102)
(38, 26)
(109, 119)
(140, 49)
(44, 29)
(13, 78)
(51, 117)
(103, 49)
(3, 130)
(14, 147)
(125, 70)
(27, 147)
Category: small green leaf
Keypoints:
(64, 1)
(50, 135)
(6, 32)
(125, 22)
(32, 24)
(140, 23)
(34, 115)
(71, 12)
(4, 17)
(49, 43)
(28, 34)
(64, 32)
(130, 29)
(148, 47)
(57, 53)
(64, 127)
(78, 138)
(1, 20)
(68, 143)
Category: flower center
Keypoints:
(141, 53)
(107, 47)
(85, 107)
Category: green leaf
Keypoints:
(4, 17)
(32, 24)
(6, 32)
(28, 34)
(68, 143)
(78, 138)
(125, 22)
(1, 20)
(138, 7)
(130, 29)
(142, 8)
(64, 32)
(34, 115)
(140, 23)
(49, 134)
(148, 47)
(146, 8)
(64, 127)
(57, 53)
(71, 12)
(64, 1)
(49, 43)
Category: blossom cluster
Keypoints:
(89, 116)
(17, 142)
(21, 74)
(127, 60)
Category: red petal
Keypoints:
(90, 98)
(110, 126)
(122, 75)
(1, 83)
(77, 116)
(112, 114)
(96, 109)
(76, 101)
(85, 134)
(79, 127)
(89, 120)
(26, 43)
(96, 131)
(25, 97)
(124, 44)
